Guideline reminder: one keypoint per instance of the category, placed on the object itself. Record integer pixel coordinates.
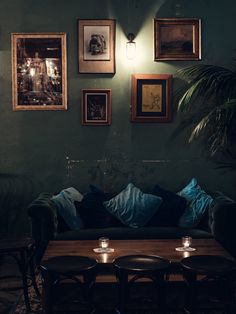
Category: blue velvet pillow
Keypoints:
(65, 202)
(198, 203)
(132, 207)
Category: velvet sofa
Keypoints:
(47, 224)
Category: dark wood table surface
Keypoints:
(162, 247)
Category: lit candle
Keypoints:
(104, 257)
(186, 241)
(103, 242)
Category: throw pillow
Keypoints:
(170, 210)
(198, 203)
(133, 207)
(65, 202)
(93, 212)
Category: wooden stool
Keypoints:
(59, 268)
(141, 266)
(216, 269)
(23, 252)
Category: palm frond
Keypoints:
(202, 124)
(208, 82)
(218, 125)
(188, 97)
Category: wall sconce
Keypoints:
(130, 47)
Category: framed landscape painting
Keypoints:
(177, 39)
(96, 50)
(96, 106)
(151, 97)
(39, 71)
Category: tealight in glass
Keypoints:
(186, 245)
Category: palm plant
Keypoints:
(210, 98)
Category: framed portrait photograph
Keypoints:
(177, 39)
(39, 78)
(96, 106)
(151, 97)
(96, 46)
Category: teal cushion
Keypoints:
(133, 207)
(65, 202)
(198, 203)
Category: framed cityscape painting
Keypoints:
(177, 39)
(96, 106)
(39, 78)
(151, 97)
(96, 46)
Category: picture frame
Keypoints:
(39, 71)
(96, 46)
(151, 97)
(96, 106)
(177, 39)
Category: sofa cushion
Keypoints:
(65, 202)
(126, 233)
(133, 207)
(92, 211)
(170, 210)
(198, 203)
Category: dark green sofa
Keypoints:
(47, 224)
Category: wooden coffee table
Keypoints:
(106, 295)
(162, 247)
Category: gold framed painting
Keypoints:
(96, 106)
(177, 39)
(39, 71)
(151, 97)
(96, 46)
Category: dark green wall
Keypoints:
(36, 143)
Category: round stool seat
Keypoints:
(131, 268)
(57, 269)
(208, 264)
(141, 263)
(218, 273)
(69, 264)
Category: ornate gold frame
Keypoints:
(31, 55)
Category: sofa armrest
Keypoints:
(222, 218)
(43, 214)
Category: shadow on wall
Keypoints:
(16, 193)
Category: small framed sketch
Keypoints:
(177, 39)
(151, 97)
(96, 50)
(96, 106)
(39, 79)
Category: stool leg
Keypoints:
(47, 295)
(122, 277)
(191, 295)
(32, 274)
(89, 280)
(160, 285)
(23, 269)
(229, 299)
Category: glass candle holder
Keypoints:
(103, 242)
(186, 242)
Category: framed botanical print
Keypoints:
(177, 39)
(151, 97)
(96, 106)
(96, 46)
(39, 78)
